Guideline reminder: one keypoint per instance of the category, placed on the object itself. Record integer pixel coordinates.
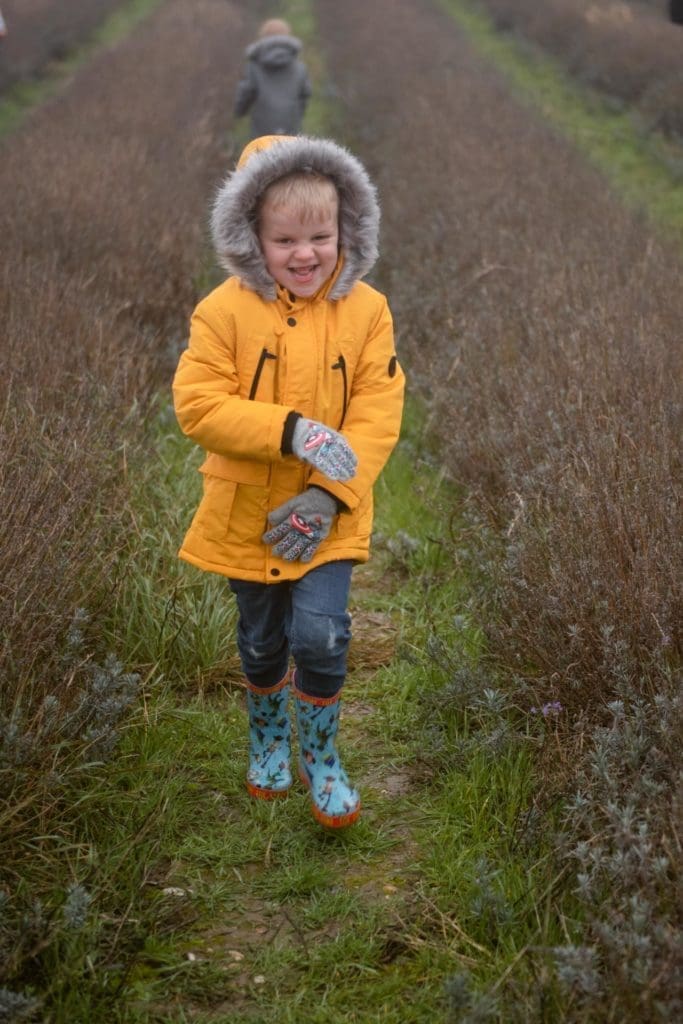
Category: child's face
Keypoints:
(300, 255)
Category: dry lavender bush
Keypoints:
(545, 322)
(45, 30)
(102, 228)
(629, 50)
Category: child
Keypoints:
(275, 84)
(291, 384)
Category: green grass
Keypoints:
(169, 617)
(18, 100)
(646, 169)
(361, 926)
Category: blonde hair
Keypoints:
(274, 27)
(306, 193)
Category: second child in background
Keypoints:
(275, 86)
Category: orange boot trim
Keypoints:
(266, 794)
(321, 702)
(269, 689)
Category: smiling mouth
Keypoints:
(303, 271)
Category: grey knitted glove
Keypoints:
(324, 448)
(300, 524)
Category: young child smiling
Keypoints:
(292, 386)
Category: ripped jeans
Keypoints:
(306, 618)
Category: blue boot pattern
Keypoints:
(269, 776)
(335, 803)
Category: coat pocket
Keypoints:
(356, 524)
(241, 471)
(212, 518)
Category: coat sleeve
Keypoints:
(246, 92)
(207, 397)
(373, 417)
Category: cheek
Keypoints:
(269, 255)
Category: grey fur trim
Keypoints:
(261, 47)
(232, 218)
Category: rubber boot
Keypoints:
(269, 776)
(334, 801)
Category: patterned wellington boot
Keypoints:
(335, 803)
(269, 776)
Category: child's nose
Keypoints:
(303, 250)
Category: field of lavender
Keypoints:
(539, 322)
(40, 32)
(630, 50)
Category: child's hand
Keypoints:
(325, 449)
(300, 524)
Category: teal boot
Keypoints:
(269, 740)
(335, 803)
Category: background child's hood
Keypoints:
(274, 51)
(264, 160)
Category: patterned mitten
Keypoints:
(324, 449)
(298, 526)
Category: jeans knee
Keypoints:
(321, 641)
(264, 662)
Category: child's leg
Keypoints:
(261, 633)
(264, 652)
(319, 628)
(319, 632)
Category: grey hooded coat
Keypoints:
(275, 87)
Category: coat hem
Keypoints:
(259, 575)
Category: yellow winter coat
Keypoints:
(252, 360)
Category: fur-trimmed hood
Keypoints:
(264, 161)
(274, 51)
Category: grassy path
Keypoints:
(267, 917)
(251, 912)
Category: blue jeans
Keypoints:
(306, 618)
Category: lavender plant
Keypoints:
(81, 725)
(621, 841)
(466, 1005)
(16, 1008)
(75, 909)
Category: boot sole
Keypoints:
(266, 794)
(329, 820)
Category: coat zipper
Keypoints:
(265, 354)
(341, 365)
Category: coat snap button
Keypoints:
(274, 572)
(291, 321)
